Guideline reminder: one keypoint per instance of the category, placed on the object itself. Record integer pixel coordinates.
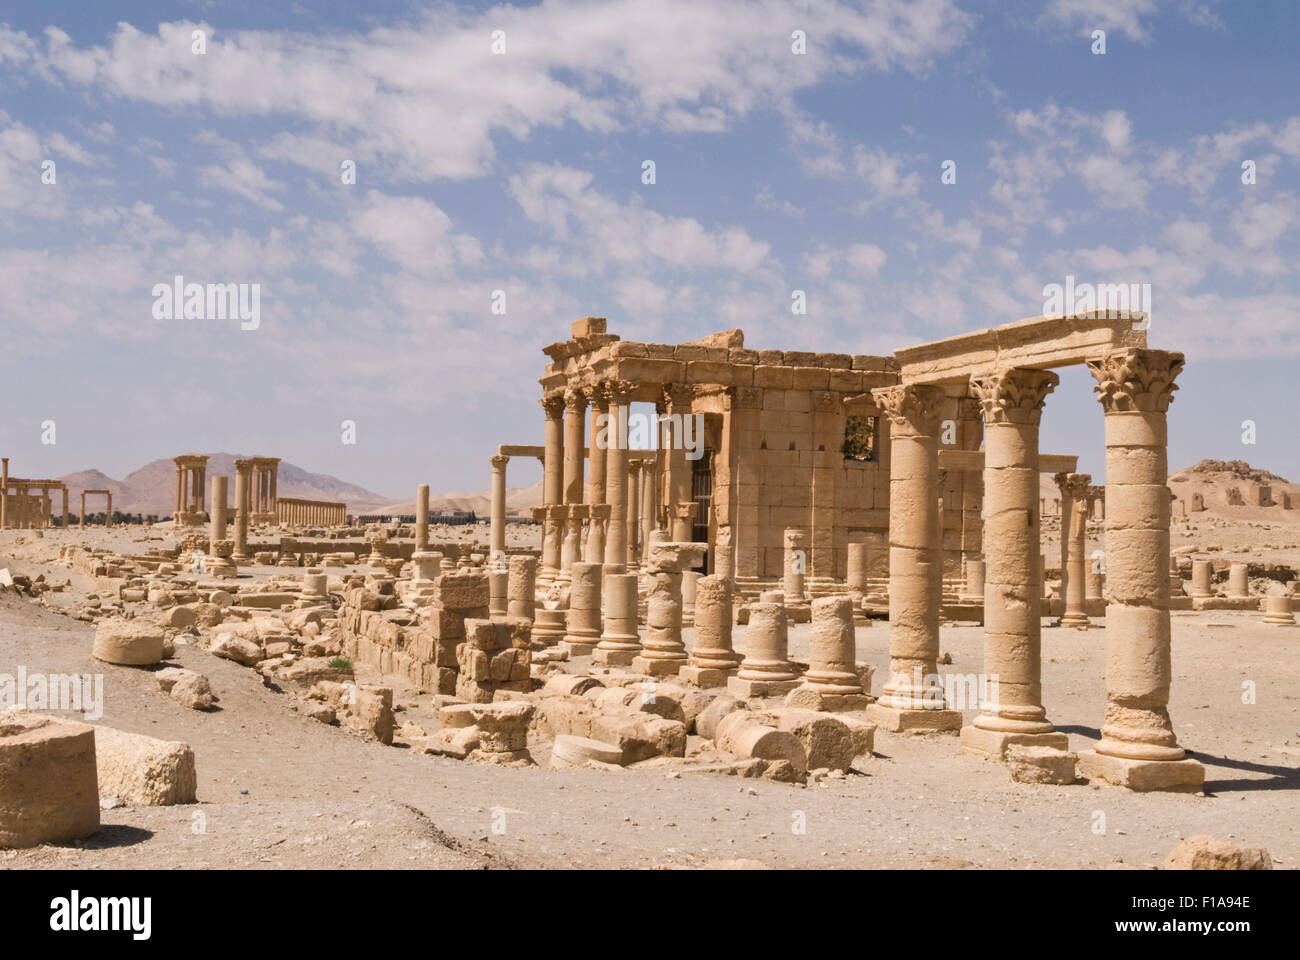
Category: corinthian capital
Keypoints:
(553, 404)
(1073, 485)
(1136, 380)
(1015, 395)
(911, 404)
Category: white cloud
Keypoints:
(427, 98)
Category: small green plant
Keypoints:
(340, 663)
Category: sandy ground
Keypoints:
(280, 790)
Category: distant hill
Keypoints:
(152, 488)
(519, 501)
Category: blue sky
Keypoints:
(522, 172)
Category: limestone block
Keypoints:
(1203, 852)
(461, 591)
(1037, 764)
(706, 724)
(128, 642)
(827, 742)
(570, 751)
(230, 647)
(144, 771)
(186, 687)
(640, 736)
(752, 736)
(374, 711)
(48, 787)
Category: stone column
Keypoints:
(575, 403)
(521, 587)
(633, 510)
(1066, 504)
(498, 546)
(4, 492)
(615, 493)
(240, 554)
(975, 571)
(858, 580)
(602, 427)
(1074, 511)
(81, 521)
(64, 491)
(1202, 583)
(552, 484)
(1277, 611)
(766, 670)
(831, 682)
(1238, 581)
(583, 620)
(648, 486)
(713, 660)
(218, 565)
(1138, 748)
(663, 653)
(913, 698)
(677, 399)
(620, 642)
(422, 515)
(796, 565)
(1012, 403)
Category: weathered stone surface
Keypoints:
(128, 642)
(144, 771)
(706, 724)
(186, 687)
(1038, 764)
(1204, 852)
(750, 735)
(48, 789)
(827, 741)
(230, 647)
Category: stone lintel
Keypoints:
(1036, 342)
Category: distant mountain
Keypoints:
(152, 488)
(519, 501)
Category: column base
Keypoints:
(992, 744)
(807, 697)
(1079, 621)
(1183, 776)
(578, 648)
(741, 687)
(221, 568)
(614, 658)
(895, 720)
(706, 676)
(657, 667)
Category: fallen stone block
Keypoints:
(132, 643)
(640, 736)
(572, 751)
(186, 687)
(230, 647)
(143, 771)
(1204, 852)
(1033, 764)
(48, 788)
(827, 741)
(745, 735)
